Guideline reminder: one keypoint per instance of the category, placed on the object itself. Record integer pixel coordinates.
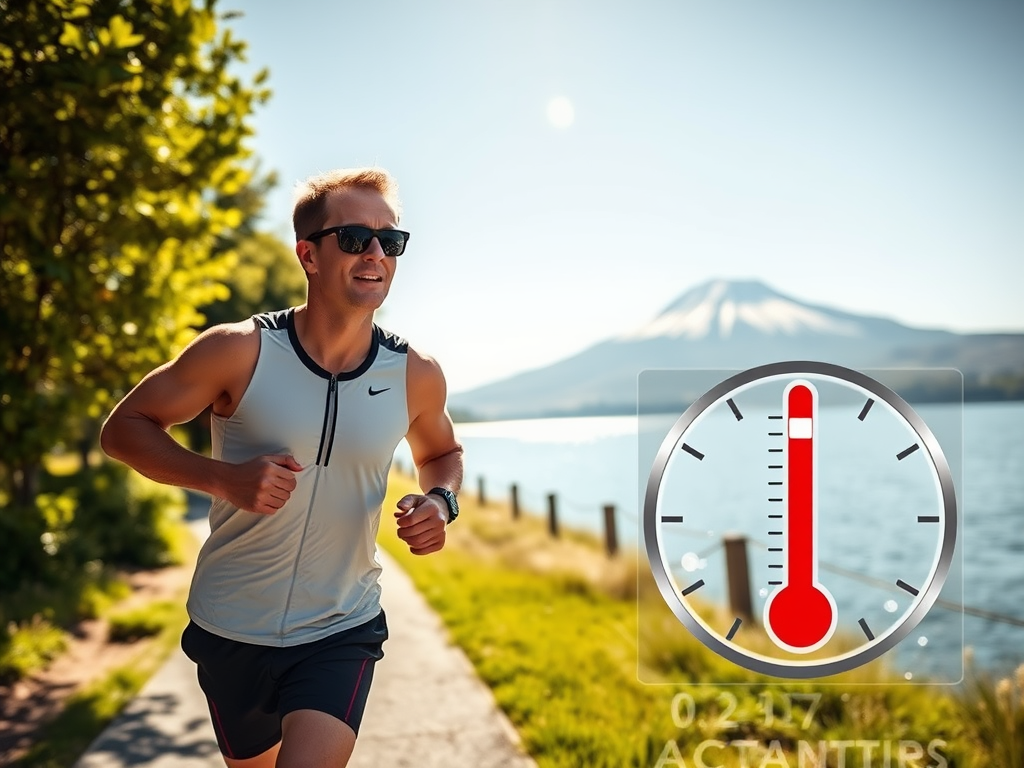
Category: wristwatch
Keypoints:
(449, 499)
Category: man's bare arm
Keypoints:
(437, 454)
(213, 370)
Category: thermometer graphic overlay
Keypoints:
(838, 438)
(800, 616)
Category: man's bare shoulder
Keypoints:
(227, 338)
(424, 370)
(222, 357)
(243, 329)
(225, 354)
(425, 383)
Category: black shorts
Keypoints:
(250, 688)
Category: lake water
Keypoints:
(590, 462)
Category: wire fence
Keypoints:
(610, 515)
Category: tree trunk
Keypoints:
(25, 481)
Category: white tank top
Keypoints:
(310, 569)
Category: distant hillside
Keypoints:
(739, 324)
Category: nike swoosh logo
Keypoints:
(373, 391)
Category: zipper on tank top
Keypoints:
(330, 410)
(323, 453)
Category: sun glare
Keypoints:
(560, 112)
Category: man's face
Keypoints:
(355, 280)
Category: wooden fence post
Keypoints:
(515, 501)
(611, 539)
(552, 515)
(738, 576)
(481, 496)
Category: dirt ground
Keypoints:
(29, 703)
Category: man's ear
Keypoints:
(305, 253)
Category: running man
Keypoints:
(308, 406)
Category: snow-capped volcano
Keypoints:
(717, 309)
(727, 324)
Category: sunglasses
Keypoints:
(355, 238)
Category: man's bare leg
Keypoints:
(312, 739)
(266, 760)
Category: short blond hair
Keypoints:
(311, 195)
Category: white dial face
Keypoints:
(800, 460)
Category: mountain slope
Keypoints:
(730, 325)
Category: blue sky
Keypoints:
(865, 155)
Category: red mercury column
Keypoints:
(801, 615)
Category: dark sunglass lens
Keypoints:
(354, 239)
(392, 242)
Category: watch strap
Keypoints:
(449, 499)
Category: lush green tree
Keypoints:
(123, 175)
(267, 276)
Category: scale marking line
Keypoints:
(864, 624)
(903, 454)
(774, 499)
(774, 466)
(735, 626)
(903, 585)
(693, 452)
(865, 409)
(774, 434)
(734, 409)
(774, 583)
(774, 417)
(927, 518)
(671, 518)
(693, 587)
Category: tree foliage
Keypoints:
(267, 276)
(123, 171)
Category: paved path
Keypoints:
(427, 707)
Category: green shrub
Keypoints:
(101, 587)
(58, 559)
(21, 549)
(124, 519)
(28, 646)
(142, 622)
(105, 513)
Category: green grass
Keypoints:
(84, 716)
(33, 617)
(86, 713)
(551, 627)
(90, 710)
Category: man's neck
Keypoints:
(336, 343)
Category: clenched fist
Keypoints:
(261, 485)
(421, 522)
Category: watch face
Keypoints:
(840, 497)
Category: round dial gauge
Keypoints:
(773, 453)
